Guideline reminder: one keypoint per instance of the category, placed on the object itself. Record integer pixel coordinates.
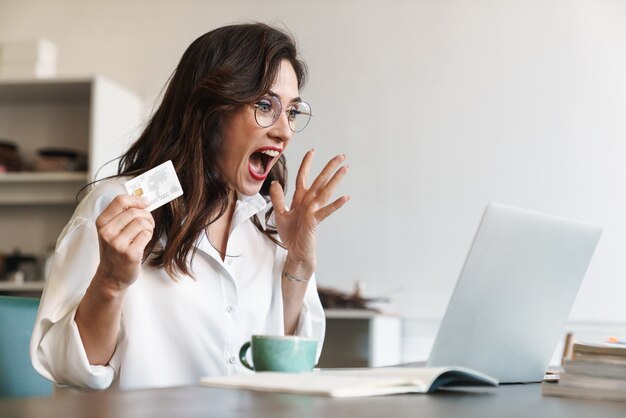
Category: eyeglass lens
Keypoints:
(268, 111)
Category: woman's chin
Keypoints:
(250, 189)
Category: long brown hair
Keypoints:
(220, 72)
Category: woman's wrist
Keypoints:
(303, 279)
(298, 270)
(107, 288)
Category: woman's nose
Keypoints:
(282, 129)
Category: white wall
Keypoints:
(441, 107)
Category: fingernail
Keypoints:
(273, 181)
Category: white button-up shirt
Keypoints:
(172, 332)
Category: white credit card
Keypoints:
(158, 186)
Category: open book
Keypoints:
(344, 383)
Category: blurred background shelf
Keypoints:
(26, 289)
(43, 177)
(361, 338)
(7, 287)
(54, 90)
(37, 188)
(90, 115)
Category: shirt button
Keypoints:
(230, 308)
(229, 261)
(232, 360)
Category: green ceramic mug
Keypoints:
(280, 353)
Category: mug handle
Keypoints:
(242, 355)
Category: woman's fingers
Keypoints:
(116, 225)
(125, 227)
(323, 177)
(320, 191)
(303, 171)
(326, 192)
(329, 209)
(119, 205)
(129, 240)
(277, 196)
(124, 230)
(140, 242)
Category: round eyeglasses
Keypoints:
(268, 109)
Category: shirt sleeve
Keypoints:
(312, 322)
(56, 348)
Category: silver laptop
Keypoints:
(514, 293)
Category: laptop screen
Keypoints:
(514, 293)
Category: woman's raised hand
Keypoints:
(297, 225)
(124, 230)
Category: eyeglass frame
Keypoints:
(279, 112)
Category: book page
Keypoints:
(354, 382)
(419, 376)
(315, 383)
(611, 349)
(429, 379)
(599, 383)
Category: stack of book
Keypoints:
(596, 371)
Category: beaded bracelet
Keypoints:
(295, 279)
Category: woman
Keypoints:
(139, 299)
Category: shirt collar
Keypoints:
(245, 208)
(248, 206)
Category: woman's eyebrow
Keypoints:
(294, 100)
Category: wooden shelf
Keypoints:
(24, 287)
(43, 177)
(41, 188)
(354, 313)
(45, 90)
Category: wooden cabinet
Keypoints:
(92, 115)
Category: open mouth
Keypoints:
(261, 161)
